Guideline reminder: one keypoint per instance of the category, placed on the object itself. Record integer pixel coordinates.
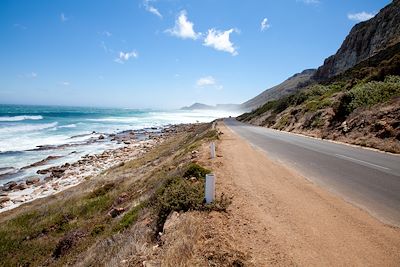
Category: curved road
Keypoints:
(364, 177)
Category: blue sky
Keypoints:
(164, 53)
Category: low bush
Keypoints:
(102, 190)
(130, 217)
(371, 93)
(196, 170)
(177, 194)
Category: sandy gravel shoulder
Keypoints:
(280, 218)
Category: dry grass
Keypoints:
(179, 242)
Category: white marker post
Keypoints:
(210, 188)
(212, 148)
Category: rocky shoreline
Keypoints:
(52, 180)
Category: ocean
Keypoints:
(29, 134)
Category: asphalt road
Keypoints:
(364, 177)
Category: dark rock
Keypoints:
(116, 211)
(21, 186)
(32, 180)
(10, 186)
(101, 137)
(4, 199)
(365, 40)
(42, 162)
(67, 242)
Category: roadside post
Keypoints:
(210, 179)
(210, 188)
(212, 148)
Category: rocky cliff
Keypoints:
(365, 40)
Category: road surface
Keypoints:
(367, 178)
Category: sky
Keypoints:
(164, 54)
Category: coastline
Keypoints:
(55, 179)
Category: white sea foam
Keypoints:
(68, 126)
(23, 128)
(25, 142)
(21, 118)
(116, 119)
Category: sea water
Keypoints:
(23, 129)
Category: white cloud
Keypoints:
(107, 33)
(183, 28)
(65, 83)
(32, 75)
(150, 8)
(309, 2)
(208, 81)
(105, 47)
(123, 57)
(361, 16)
(63, 18)
(264, 24)
(220, 41)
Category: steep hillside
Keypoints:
(365, 39)
(294, 83)
(354, 96)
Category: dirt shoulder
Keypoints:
(280, 218)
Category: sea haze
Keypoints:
(66, 132)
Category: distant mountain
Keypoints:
(197, 106)
(200, 106)
(365, 40)
(289, 86)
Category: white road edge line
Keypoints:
(361, 161)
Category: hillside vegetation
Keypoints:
(118, 217)
(364, 112)
(354, 97)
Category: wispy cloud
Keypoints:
(106, 33)
(65, 83)
(123, 57)
(31, 75)
(63, 18)
(361, 16)
(150, 8)
(183, 28)
(309, 2)
(105, 47)
(208, 81)
(220, 40)
(20, 26)
(264, 24)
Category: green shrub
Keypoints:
(177, 194)
(130, 217)
(196, 170)
(371, 93)
(102, 190)
(98, 229)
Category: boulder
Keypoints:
(4, 199)
(10, 186)
(116, 211)
(21, 186)
(32, 180)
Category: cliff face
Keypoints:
(291, 85)
(366, 39)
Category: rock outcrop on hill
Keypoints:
(365, 40)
